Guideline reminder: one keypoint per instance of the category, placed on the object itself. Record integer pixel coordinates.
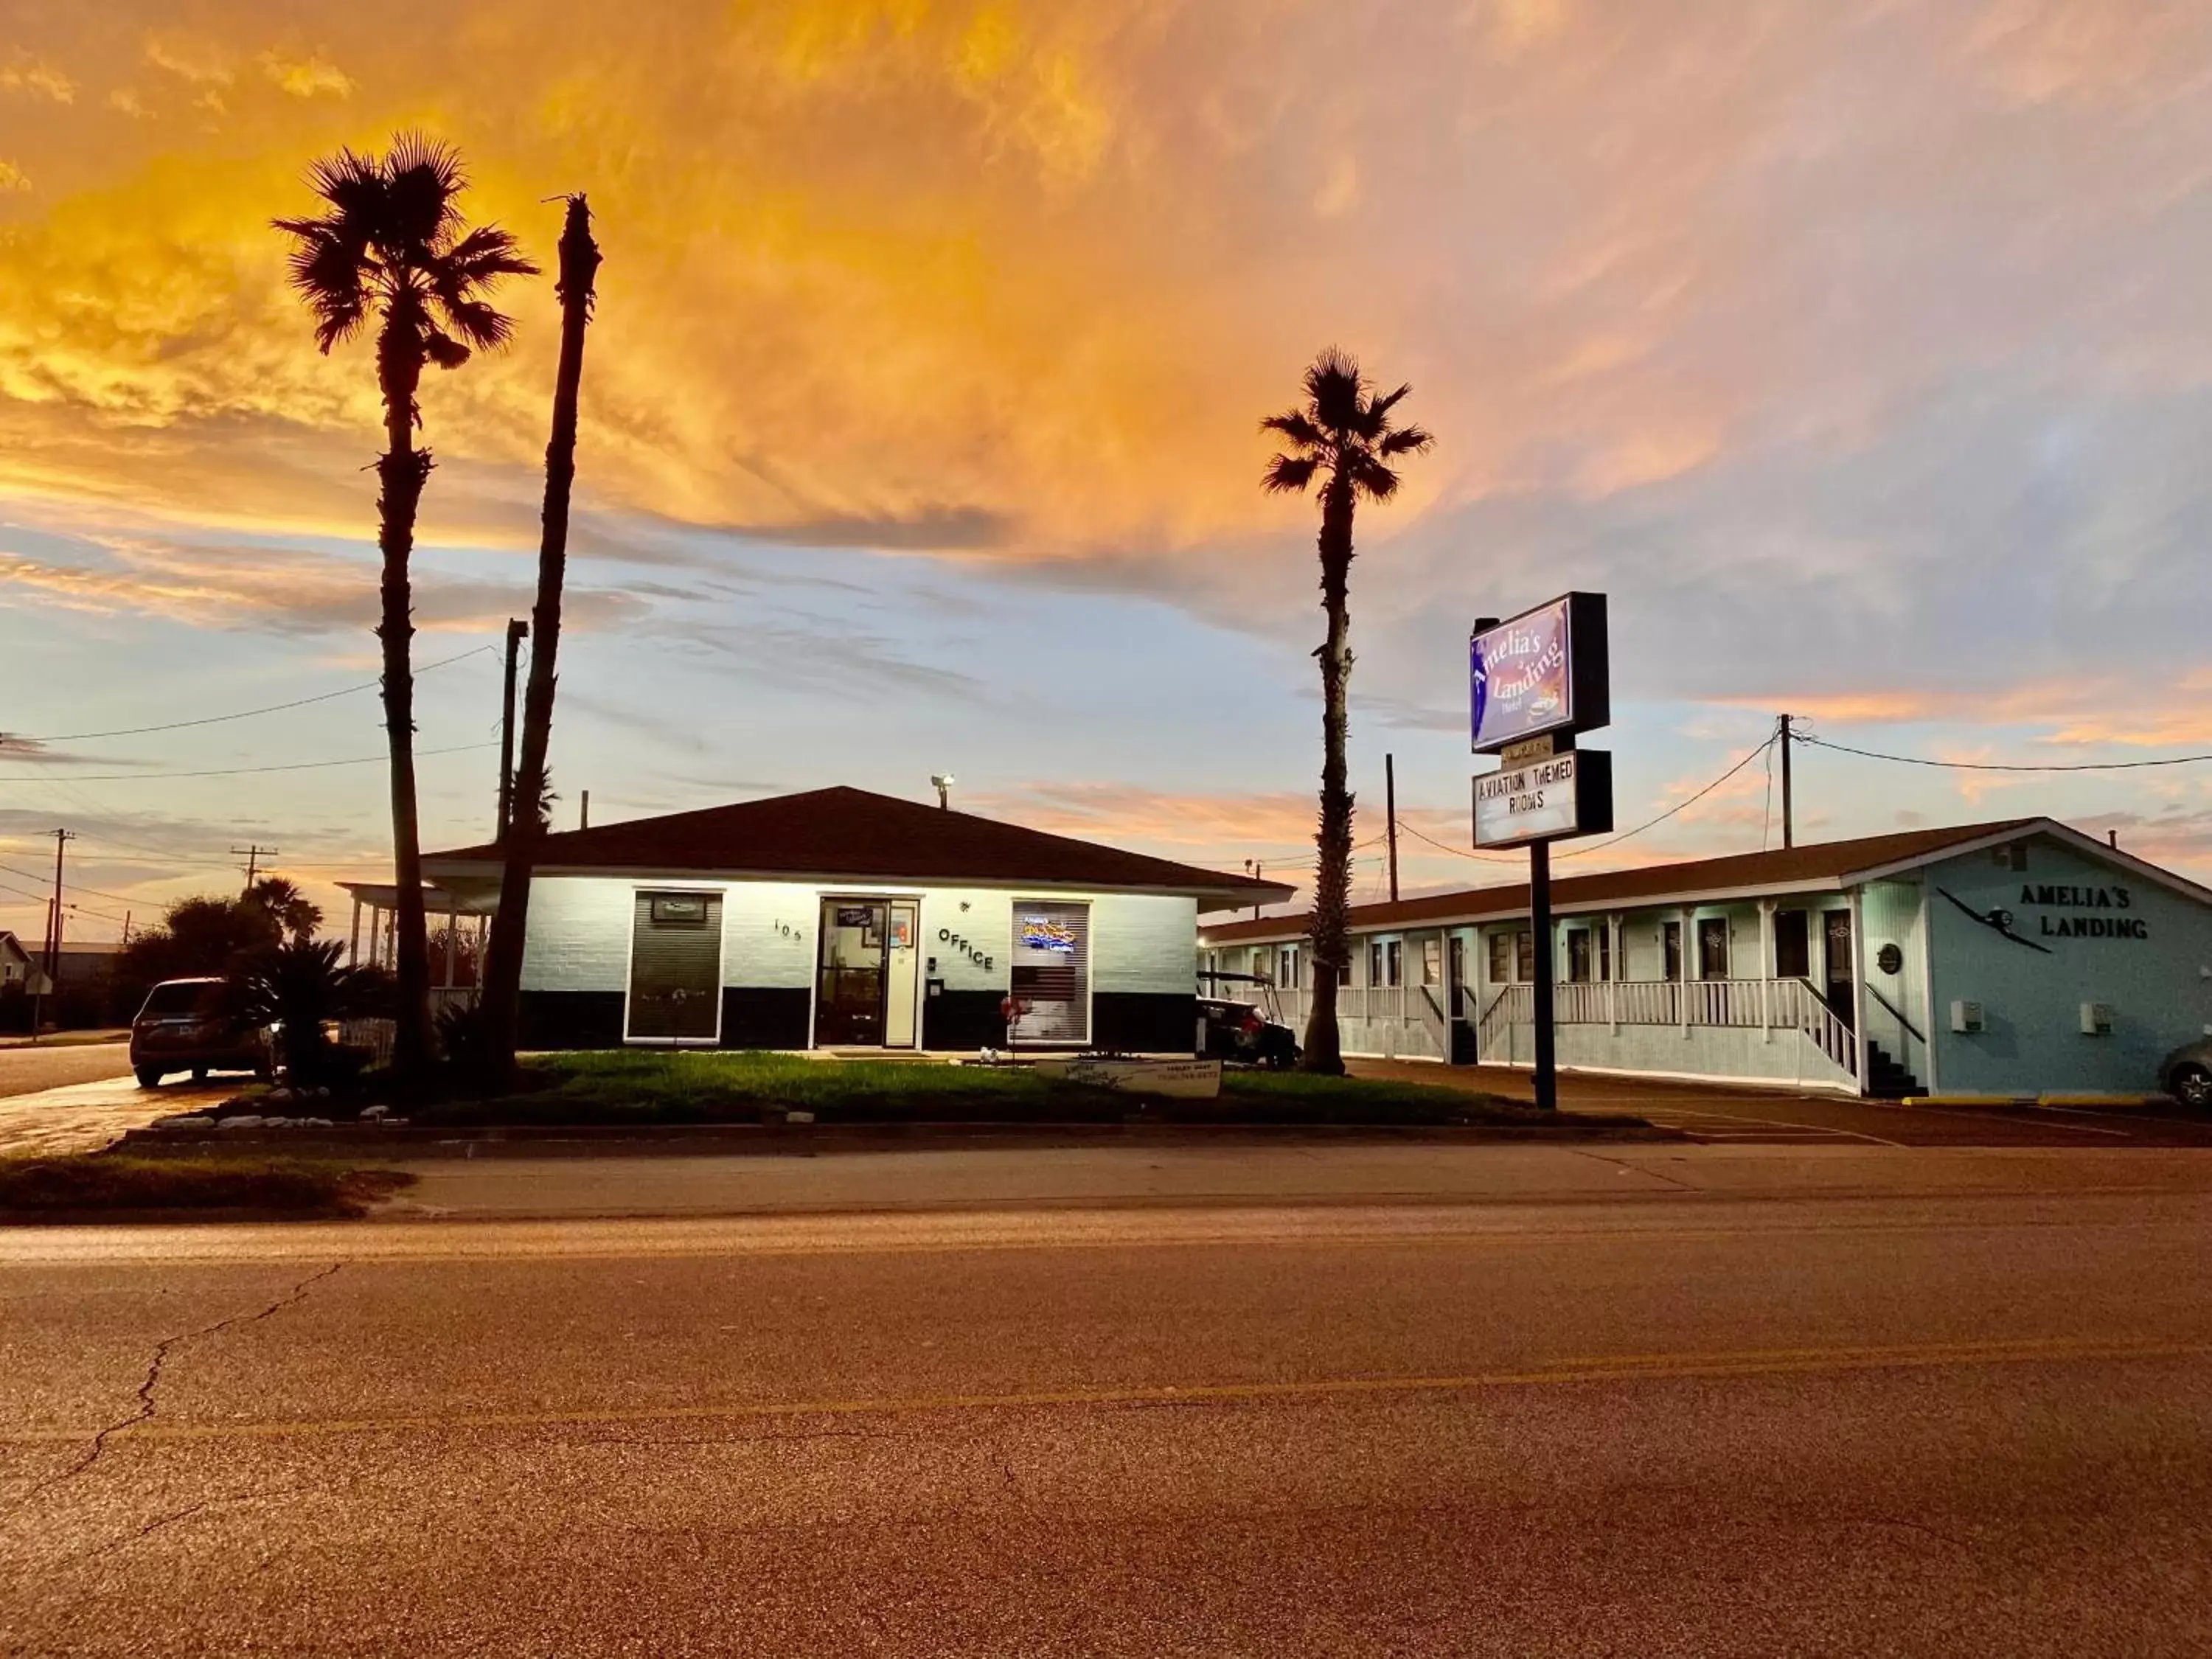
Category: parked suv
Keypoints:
(195, 1026)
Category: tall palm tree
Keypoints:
(394, 253)
(502, 982)
(1342, 440)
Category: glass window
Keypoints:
(1672, 945)
(1578, 954)
(1374, 962)
(1501, 958)
(1793, 953)
(1605, 951)
(1394, 962)
(1050, 982)
(1432, 962)
(1524, 956)
(1458, 960)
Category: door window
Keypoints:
(1393, 962)
(1605, 951)
(1524, 957)
(1432, 962)
(1672, 937)
(849, 1000)
(1501, 958)
(1793, 953)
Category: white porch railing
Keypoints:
(1779, 1004)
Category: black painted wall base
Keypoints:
(1145, 1022)
(963, 1020)
(571, 1019)
(765, 1018)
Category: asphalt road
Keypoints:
(26, 1069)
(1874, 1425)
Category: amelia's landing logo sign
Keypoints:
(2096, 912)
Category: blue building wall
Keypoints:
(2108, 934)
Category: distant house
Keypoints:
(84, 964)
(20, 973)
(842, 919)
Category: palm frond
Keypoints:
(1289, 475)
(422, 183)
(1407, 441)
(1295, 426)
(350, 182)
(330, 267)
(482, 326)
(441, 348)
(1334, 390)
(1374, 480)
(484, 255)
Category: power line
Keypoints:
(243, 713)
(296, 766)
(120, 898)
(1615, 840)
(1995, 766)
(1461, 852)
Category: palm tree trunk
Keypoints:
(1332, 953)
(502, 992)
(401, 471)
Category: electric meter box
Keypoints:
(2096, 1019)
(1966, 1016)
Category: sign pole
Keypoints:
(1540, 924)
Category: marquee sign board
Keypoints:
(1569, 795)
(1542, 671)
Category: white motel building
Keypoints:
(2000, 959)
(836, 919)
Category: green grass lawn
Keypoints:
(632, 1086)
(96, 1183)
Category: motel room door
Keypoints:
(1836, 964)
(852, 982)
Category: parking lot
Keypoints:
(1710, 1112)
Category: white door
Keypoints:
(901, 960)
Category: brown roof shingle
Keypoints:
(847, 833)
(1796, 866)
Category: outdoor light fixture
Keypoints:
(943, 782)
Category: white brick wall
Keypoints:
(579, 938)
(1144, 942)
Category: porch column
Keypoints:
(1927, 987)
(353, 940)
(1689, 964)
(1765, 970)
(1617, 967)
(1858, 987)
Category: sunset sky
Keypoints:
(1859, 350)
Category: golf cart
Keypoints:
(1243, 1020)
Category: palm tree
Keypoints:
(287, 907)
(392, 252)
(1342, 438)
(502, 982)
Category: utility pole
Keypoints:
(1789, 829)
(517, 631)
(584, 810)
(1254, 869)
(53, 953)
(1390, 815)
(253, 853)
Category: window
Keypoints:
(1051, 976)
(1375, 962)
(1292, 968)
(1393, 962)
(1501, 958)
(1712, 947)
(1793, 955)
(1432, 962)
(1524, 956)
(1458, 960)
(1605, 951)
(1672, 940)
(1578, 954)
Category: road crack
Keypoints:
(155, 1365)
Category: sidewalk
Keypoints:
(83, 1117)
(1289, 1171)
(68, 1039)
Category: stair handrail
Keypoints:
(1895, 1012)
